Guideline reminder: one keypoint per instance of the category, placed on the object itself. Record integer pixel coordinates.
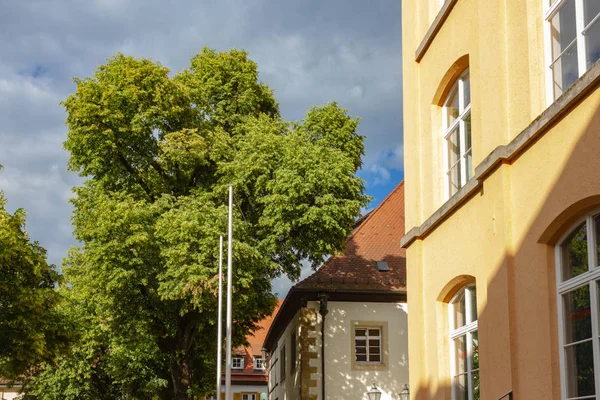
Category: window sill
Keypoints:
(434, 29)
(508, 153)
(369, 367)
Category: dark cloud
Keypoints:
(310, 52)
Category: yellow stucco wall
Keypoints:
(498, 235)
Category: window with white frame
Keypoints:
(574, 30)
(237, 363)
(578, 285)
(464, 345)
(457, 134)
(248, 396)
(367, 345)
(259, 363)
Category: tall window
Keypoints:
(457, 134)
(575, 40)
(578, 282)
(367, 345)
(282, 361)
(464, 345)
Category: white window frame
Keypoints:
(551, 9)
(259, 363)
(368, 337)
(464, 110)
(240, 359)
(467, 330)
(248, 396)
(591, 278)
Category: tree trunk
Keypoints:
(181, 368)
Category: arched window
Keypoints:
(457, 134)
(578, 280)
(464, 345)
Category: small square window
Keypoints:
(259, 363)
(382, 266)
(237, 363)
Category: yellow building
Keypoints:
(502, 172)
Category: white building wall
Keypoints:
(345, 382)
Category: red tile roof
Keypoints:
(254, 349)
(353, 275)
(376, 238)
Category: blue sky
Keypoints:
(310, 52)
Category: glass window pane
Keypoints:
(563, 28)
(565, 71)
(578, 322)
(473, 295)
(460, 388)
(361, 342)
(360, 332)
(373, 332)
(476, 385)
(597, 228)
(374, 350)
(591, 8)
(467, 90)
(580, 370)
(374, 342)
(574, 253)
(361, 357)
(454, 150)
(452, 107)
(475, 350)
(374, 358)
(592, 42)
(468, 156)
(460, 355)
(458, 309)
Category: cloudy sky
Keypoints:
(310, 52)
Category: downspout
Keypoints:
(323, 311)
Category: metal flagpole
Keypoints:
(229, 277)
(220, 319)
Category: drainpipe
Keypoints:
(323, 311)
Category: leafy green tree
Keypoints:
(30, 329)
(159, 152)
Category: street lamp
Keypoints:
(374, 393)
(405, 393)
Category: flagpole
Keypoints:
(229, 278)
(220, 320)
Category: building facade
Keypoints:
(501, 140)
(344, 328)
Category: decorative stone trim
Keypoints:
(434, 28)
(309, 354)
(508, 153)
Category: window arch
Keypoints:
(456, 120)
(578, 296)
(464, 344)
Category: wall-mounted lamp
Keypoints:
(405, 393)
(374, 393)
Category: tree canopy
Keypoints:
(30, 328)
(158, 152)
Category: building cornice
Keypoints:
(434, 29)
(507, 154)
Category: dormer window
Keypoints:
(457, 134)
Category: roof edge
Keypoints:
(295, 297)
